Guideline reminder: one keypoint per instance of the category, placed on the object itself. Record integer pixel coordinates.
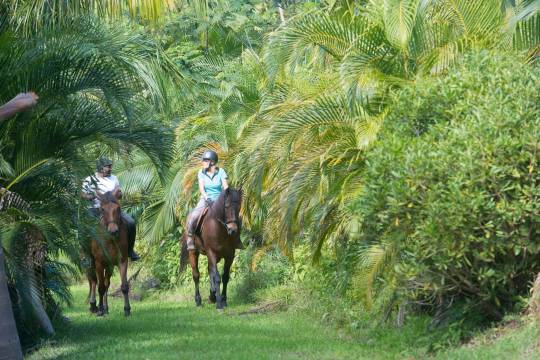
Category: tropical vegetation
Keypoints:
(387, 149)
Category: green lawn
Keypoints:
(171, 327)
(521, 343)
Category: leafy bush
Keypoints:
(260, 270)
(163, 261)
(451, 204)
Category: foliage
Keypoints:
(449, 207)
(166, 269)
(98, 89)
(255, 275)
(295, 110)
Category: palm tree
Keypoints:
(32, 14)
(363, 51)
(10, 347)
(99, 90)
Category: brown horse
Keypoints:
(219, 233)
(109, 248)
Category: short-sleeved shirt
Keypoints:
(94, 183)
(212, 183)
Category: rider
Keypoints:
(103, 181)
(212, 181)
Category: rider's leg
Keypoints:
(131, 229)
(85, 252)
(193, 218)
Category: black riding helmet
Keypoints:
(102, 162)
(210, 155)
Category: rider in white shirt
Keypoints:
(103, 181)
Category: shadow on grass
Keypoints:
(164, 329)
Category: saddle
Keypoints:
(198, 228)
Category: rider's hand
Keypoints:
(25, 100)
(208, 201)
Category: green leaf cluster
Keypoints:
(450, 197)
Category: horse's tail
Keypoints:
(184, 254)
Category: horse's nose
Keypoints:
(231, 229)
(113, 229)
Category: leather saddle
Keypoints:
(198, 228)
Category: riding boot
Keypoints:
(131, 228)
(190, 243)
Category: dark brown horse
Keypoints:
(109, 248)
(217, 238)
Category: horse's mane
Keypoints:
(109, 197)
(218, 207)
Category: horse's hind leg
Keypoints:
(194, 261)
(226, 276)
(125, 285)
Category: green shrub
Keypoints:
(163, 261)
(270, 270)
(452, 191)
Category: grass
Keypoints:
(169, 326)
(514, 340)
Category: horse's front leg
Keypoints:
(123, 266)
(194, 262)
(100, 274)
(92, 282)
(226, 276)
(108, 274)
(215, 279)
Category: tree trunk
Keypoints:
(534, 302)
(10, 347)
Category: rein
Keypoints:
(224, 222)
(106, 223)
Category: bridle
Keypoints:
(224, 222)
(106, 223)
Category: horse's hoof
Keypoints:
(100, 313)
(127, 311)
(225, 304)
(93, 308)
(198, 303)
(219, 307)
(212, 299)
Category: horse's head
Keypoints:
(110, 211)
(233, 201)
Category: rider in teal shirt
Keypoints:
(212, 181)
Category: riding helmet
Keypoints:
(102, 162)
(210, 155)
